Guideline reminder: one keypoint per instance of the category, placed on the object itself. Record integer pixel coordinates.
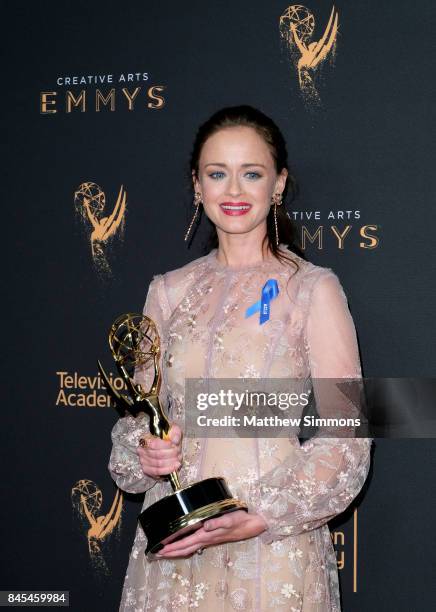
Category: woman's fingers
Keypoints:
(196, 540)
(184, 552)
(159, 471)
(158, 465)
(175, 434)
(171, 455)
(230, 527)
(226, 521)
(170, 463)
(191, 543)
(161, 463)
(154, 443)
(159, 457)
(174, 438)
(153, 453)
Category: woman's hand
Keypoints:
(231, 527)
(161, 457)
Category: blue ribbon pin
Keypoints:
(270, 290)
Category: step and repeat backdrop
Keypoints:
(101, 102)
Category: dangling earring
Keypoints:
(277, 201)
(197, 202)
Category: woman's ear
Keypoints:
(281, 181)
(195, 182)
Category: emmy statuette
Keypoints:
(134, 343)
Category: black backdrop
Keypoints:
(368, 149)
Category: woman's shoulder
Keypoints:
(173, 284)
(175, 275)
(187, 273)
(303, 269)
(313, 280)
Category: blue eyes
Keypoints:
(251, 175)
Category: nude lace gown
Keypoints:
(199, 310)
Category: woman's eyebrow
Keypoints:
(225, 165)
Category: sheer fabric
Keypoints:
(200, 313)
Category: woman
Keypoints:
(280, 553)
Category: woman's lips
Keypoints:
(235, 208)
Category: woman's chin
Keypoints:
(236, 231)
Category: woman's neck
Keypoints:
(241, 250)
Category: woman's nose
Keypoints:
(234, 187)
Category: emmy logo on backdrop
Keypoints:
(87, 500)
(297, 25)
(90, 202)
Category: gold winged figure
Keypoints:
(103, 525)
(297, 25)
(105, 227)
(90, 203)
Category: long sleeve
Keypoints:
(124, 465)
(320, 478)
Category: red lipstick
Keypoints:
(235, 208)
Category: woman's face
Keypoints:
(237, 178)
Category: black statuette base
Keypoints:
(183, 512)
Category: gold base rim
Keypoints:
(194, 518)
(201, 514)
